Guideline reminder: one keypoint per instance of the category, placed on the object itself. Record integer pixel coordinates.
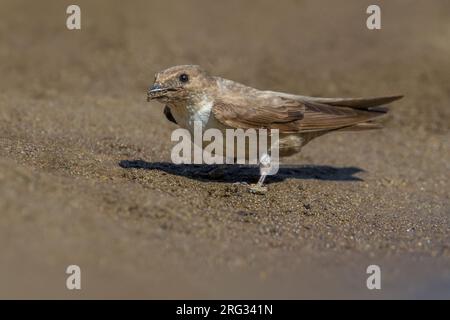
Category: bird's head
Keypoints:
(178, 83)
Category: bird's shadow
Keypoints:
(247, 173)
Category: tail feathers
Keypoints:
(346, 114)
(375, 106)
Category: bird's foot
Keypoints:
(258, 189)
(241, 183)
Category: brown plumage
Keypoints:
(192, 95)
(293, 116)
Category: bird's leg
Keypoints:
(264, 169)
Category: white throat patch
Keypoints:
(201, 112)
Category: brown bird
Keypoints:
(191, 94)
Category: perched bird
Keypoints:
(191, 95)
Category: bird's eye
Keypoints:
(184, 77)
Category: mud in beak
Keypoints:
(157, 91)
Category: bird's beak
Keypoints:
(154, 91)
(157, 91)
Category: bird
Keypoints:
(191, 95)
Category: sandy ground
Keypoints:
(86, 176)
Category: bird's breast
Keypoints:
(196, 112)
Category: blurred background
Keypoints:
(86, 178)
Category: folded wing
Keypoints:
(301, 114)
(284, 116)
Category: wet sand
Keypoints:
(86, 176)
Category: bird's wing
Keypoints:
(289, 116)
(324, 117)
(282, 114)
(357, 103)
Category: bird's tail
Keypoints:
(373, 105)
